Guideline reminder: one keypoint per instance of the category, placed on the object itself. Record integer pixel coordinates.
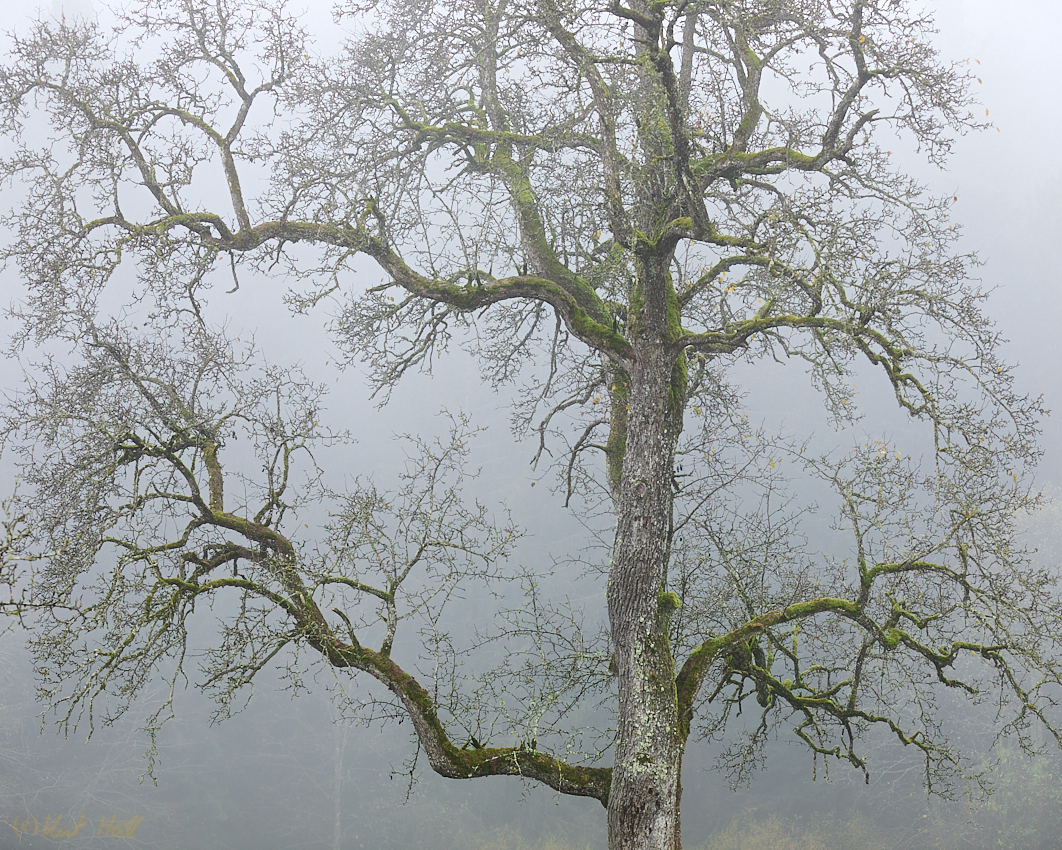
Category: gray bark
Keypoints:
(643, 810)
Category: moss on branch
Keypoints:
(455, 762)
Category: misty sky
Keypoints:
(1008, 183)
(1007, 180)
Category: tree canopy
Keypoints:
(619, 209)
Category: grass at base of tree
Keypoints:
(509, 838)
(775, 833)
(771, 833)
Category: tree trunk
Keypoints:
(643, 804)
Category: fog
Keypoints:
(289, 772)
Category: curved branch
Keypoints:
(444, 756)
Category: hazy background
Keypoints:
(284, 774)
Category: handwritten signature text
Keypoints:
(55, 829)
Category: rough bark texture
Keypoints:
(643, 805)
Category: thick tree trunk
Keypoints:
(643, 803)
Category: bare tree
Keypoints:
(634, 199)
